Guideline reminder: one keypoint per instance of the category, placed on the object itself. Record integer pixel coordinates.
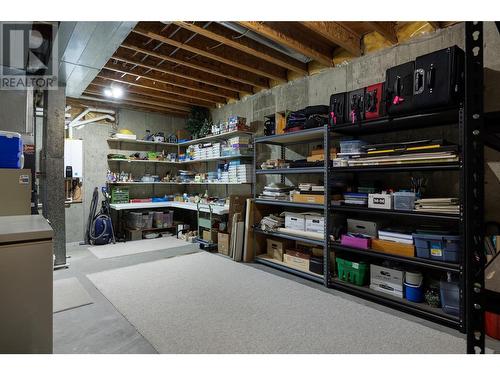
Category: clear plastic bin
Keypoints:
(404, 200)
(450, 296)
(351, 147)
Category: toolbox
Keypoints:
(399, 88)
(352, 272)
(337, 109)
(375, 101)
(355, 106)
(439, 78)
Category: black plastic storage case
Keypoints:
(337, 109)
(439, 78)
(399, 86)
(355, 108)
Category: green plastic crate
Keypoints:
(352, 272)
(120, 195)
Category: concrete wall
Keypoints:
(95, 164)
(366, 70)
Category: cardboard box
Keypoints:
(395, 248)
(210, 236)
(295, 220)
(315, 223)
(134, 234)
(223, 243)
(308, 198)
(296, 262)
(383, 201)
(386, 280)
(276, 248)
(298, 254)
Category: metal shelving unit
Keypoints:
(321, 134)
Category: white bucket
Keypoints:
(414, 278)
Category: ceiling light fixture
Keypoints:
(115, 92)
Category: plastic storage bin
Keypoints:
(134, 220)
(120, 195)
(414, 293)
(352, 272)
(450, 296)
(351, 147)
(11, 150)
(404, 200)
(445, 248)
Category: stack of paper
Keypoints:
(360, 199)
(277, 191)
(395, 235)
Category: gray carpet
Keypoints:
(68, 294)
(177, 246)
(203, 303)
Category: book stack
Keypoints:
(276, 191)
(240, 172)
(438, 205)
(358, 199)
(272, 222)
(395, 235)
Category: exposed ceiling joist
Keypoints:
(221, 54)
(222, 34)
(279, 37)
(435, 24)
(206, 66)
(102, 83)
(161, 87)
(180, 71)
(337, 34)
(96, 101)
(386, 29)
(172, 80)
(141, 100)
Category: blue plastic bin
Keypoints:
(414, 293)
(11, 150)
(445, 248)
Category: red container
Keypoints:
(375, 102)
(358, 242)
(492, 325)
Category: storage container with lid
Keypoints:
(351, 146)
(11, 150)
(450, 295)
(404, 200)
(446, 248)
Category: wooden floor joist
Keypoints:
(207, 66)
(181, 71)
(281, 38)
(222, 54)
(172, 80)
(336, 34)
(386, 29)
(103, 84)
(159, 86)
(223, 35)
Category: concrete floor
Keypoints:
(99, 328)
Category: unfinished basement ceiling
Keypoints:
(170, 67)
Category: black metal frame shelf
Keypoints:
(291, 170)
(414, 261)
(294, 271)
(287, 236)
(380, 211)
(435, 117)
(400, 168)
(293, 137)
(419, 309)
(289, 204)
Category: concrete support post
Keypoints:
(52, 159)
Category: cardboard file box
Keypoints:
(315, 223)
(308, 198)
(386, 280)
(295, 220)
(276, 248)
(383, 201)
(223, 243)
(395, 248)
(296, 262)
(210, 236)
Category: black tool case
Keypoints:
(337, 109)
(355, 105)
(439, 78)
(399, 86)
